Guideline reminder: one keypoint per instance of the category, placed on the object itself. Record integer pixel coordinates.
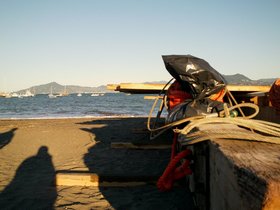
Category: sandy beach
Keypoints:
(32, 152)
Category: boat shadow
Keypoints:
(131, 164)
(6, 138)
(33, 186)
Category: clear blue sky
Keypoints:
(95, 42)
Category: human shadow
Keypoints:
(6, 138)
(131, 165)
(33, 186)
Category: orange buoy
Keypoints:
(175, 95)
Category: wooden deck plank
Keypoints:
(96, 180)
(156, 88)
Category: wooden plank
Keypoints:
(156, 88)
(240, 175)
(248, 88)
(112, 87)
(141, 87)
(77, 180)
(152, 97)
(95, 180)
(244, 175)
(128, 145)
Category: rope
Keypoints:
(271, 130)
(173, 173)
(164, 128)
(264, 127)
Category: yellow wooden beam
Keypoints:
(156, 88)
(112, 87)
(248, 88)
(95, 180)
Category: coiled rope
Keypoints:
(173, 172)
(272, 130)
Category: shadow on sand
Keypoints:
(104, 160)
(33, 186)
(6, 138)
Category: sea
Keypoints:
(74, 106)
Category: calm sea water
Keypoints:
(41, 106)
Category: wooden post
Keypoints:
(234, 174)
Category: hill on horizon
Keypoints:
(240, 79)
(58, 88)
(236, 79)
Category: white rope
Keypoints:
(264, 127)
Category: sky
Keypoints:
(99, 42)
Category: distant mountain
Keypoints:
(240, 79)
(237, 79)
(58, 88)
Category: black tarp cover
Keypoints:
(194, 74)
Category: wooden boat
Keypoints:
(235, 160)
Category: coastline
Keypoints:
(74, 117)
(109, 105)
(33, 150)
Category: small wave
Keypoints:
(70, 107)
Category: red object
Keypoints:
(218, 96)
(175, 95)
(274, 95)
(173, 173)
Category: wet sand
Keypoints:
(33, 151)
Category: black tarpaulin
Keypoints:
(194, 74)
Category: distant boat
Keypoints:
(51, 95)
(79, 94)
(15, 95)
(97, 94)
(27, 94)
(64, 93)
